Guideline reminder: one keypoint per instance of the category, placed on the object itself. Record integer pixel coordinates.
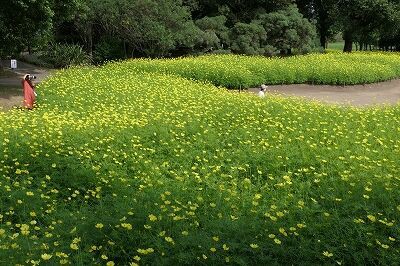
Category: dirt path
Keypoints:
(10, 87)
(358, 95)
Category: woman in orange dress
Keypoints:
(29, 92)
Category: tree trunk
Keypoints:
(90, 40)
(348, 42)
(322, 40)
(323, 25)
(125, 50)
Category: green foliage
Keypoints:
(108, 49)
(288, 29)
(277, 31)
(152, 28)
(247, 38)
(65, 55)
(331, 68)
(24, 23)
(215, 35)
(160, 170)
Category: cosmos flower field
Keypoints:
(141, 163)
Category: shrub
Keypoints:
(65, 55)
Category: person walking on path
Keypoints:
(263, 88)
(29, 91)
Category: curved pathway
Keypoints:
(10, 87)
(387, 92)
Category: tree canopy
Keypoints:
(111, 29)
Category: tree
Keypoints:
(362, 17)
(324, 13)
(248, 38)
(215, 34)
(287, 29)
(149, 27)
(24, 24)
(361, 21)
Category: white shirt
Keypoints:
(261, 94)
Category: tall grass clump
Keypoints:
(117, 166)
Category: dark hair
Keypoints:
(29, 77)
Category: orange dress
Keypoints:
(29, 94)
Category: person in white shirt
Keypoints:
(261, 93)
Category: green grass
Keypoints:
(121, 166)
(338, 46)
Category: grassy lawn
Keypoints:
(338, 46)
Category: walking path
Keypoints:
(10, 87)
(387, 92)
(358, 95)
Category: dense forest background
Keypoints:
(62, 32)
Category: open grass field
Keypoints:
(127, 165)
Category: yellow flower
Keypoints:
(169, 240)
(74, 246)
(215, 238)
(152, 218)
(213, 249)
(99, 226)
(254, 246)
(46, 256)
(371, 218)
(127, 226)
(327, 254)
(110, 263)
(277, 241)
(25, 229)
(145, 251)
